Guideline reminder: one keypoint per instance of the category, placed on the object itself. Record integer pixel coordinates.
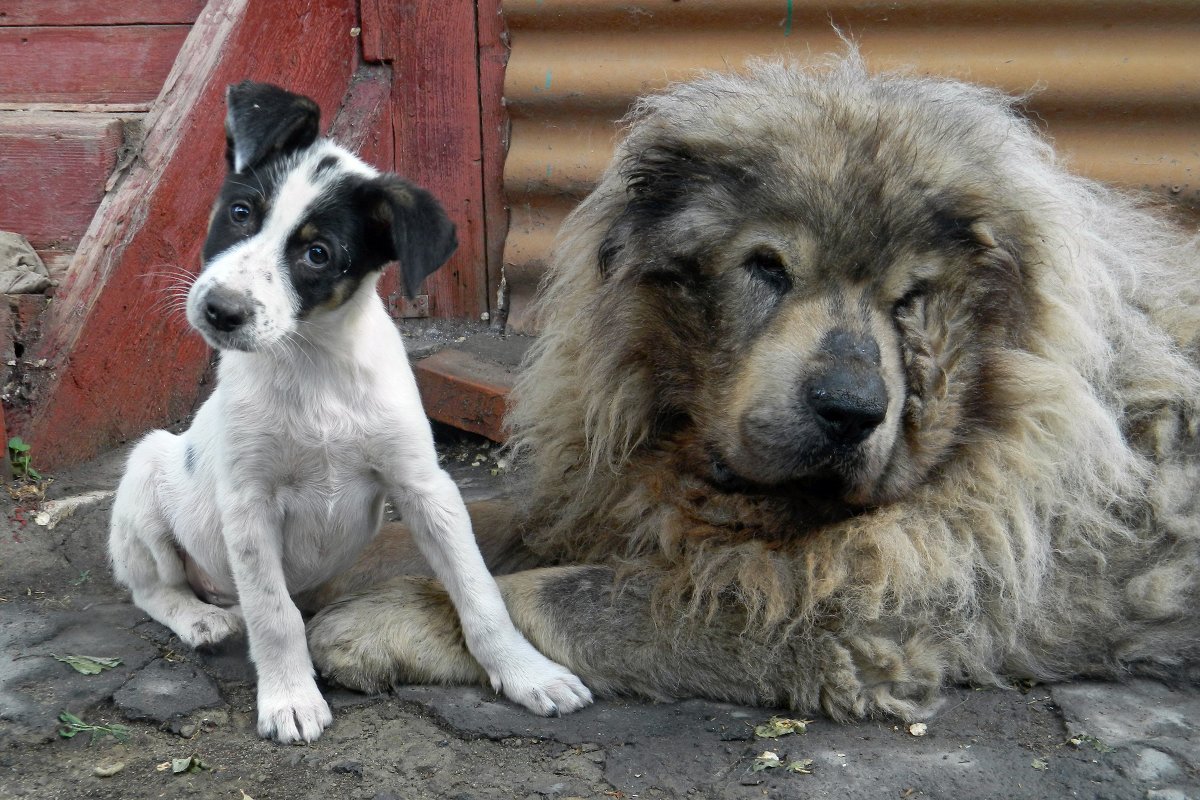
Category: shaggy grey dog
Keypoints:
(847, 390)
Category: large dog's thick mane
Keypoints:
(1053, 491)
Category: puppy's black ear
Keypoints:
(264, 120)
(413, 229)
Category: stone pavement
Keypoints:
(1082, 739)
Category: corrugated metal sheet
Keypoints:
(1116, 82)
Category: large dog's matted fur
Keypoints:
(846, 390)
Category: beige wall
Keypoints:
(1116, 83)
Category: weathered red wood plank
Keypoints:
(436, 97)
(380, 34)
(99, 12)
(464, 390)
(115, 64)
(53, 172)
(494, 127)
(121, 364)
(364, 125)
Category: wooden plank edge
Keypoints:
(465, 391)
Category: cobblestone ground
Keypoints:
(180, 710)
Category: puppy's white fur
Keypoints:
(281, 481)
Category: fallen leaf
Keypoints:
(1038, 763)
(780, 726)
(766, 760)
(1079, 740)
(802, 767)
(89, 665)
(189, 764)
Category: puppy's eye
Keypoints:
(317, 255)
(767, 266)
(239, 212)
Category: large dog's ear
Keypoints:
(657, 180)
(411, 227)
(660, 180)
(264, 120)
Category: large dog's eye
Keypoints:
(909, 298)
(239, 212)
(767, 266)
(317, 255)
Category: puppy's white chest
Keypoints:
(329, 515)
(308, 458)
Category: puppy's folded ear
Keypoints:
(264, 120)
(412, 229)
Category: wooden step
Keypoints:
(87, 64)
(90, 51)
(54, 173)
(467, 384)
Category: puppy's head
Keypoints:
(301, 226)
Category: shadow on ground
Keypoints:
(1083, 739)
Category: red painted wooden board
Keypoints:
(121, 364)
(98, 12)
(106, 64)
(52, 173)
(463, 390)
(437, 126)
(364, 125)
(493, 58)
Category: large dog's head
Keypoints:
(301, 225)
(809, 274)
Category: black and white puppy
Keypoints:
(315, 421)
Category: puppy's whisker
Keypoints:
(261, 188)
(255, 190)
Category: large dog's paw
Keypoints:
(405, 631)
(528, 678)
(296, 713)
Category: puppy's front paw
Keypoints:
(528, 678)
(295, 715)
(209, 626)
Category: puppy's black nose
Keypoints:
(226, 310)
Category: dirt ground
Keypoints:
(172, 708)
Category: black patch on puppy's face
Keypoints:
(300, 224)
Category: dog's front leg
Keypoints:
(432, 506)
(290, 707)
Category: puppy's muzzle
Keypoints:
(847, 398)
(226, 310)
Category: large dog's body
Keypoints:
(846, 390)
(281, 479)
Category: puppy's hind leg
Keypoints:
(144, 555)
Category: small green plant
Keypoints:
(22, 461)
(72, 725)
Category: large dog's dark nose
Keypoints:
(226, 310)
(848, 397)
